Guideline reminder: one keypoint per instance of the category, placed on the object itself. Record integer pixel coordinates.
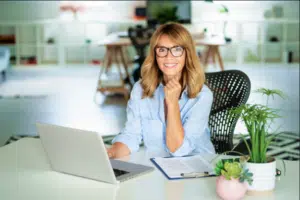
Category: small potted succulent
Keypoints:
(232, 178)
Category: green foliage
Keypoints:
(257, 119)
(269, 92)
(165, 13)
(223, 9)
(233, 168)
(246, 176)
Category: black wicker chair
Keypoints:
(140, 38)
(231, 88)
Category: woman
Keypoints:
(169, 107)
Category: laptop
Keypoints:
(83, 153)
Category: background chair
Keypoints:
(231, 88)
(140, 38)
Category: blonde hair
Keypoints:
(193, 76)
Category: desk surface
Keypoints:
(114, 40)
(26, 174)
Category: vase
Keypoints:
(230, 189)
(264, 177)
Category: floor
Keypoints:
(65, 96)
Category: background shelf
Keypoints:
(64, 42)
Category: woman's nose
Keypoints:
(169, 54)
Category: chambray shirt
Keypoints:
(146, 122)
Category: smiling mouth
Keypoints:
(171, 65)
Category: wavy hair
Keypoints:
(193, 76)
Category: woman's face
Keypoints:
(170, 57)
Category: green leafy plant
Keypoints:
(233, 168)
(165, 13)
(257, 119)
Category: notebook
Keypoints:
(173, 167)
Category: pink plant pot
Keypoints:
(230, 189)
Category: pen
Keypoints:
(196, 174)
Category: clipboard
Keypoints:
(166, 174)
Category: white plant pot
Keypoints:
(264, 177)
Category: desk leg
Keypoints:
(213, 55)
(126, 66)
(126, 55)
(106, 64)
(105, 60)
(208, 51)
(119, 55)
(110, 52)
(104, 67)
(219, 58)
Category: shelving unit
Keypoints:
(250, 40)
(69, 45)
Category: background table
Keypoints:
(26, 174)
(115, 53)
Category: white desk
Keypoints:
(25, 174)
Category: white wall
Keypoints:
(109, 12)
(28, 10)
(114, 11)
(243, 10)
(247, 11)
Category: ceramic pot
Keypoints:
(264, 176)
(230, 189)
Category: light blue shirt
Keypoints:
(146, 121)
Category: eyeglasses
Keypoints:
(176, 51)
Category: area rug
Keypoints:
(106, 139)
(286, 146)
(17, 96)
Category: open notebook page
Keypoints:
(173, 167)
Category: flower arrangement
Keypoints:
(233, 168)
(73, 7)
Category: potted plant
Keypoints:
(257, 119)
(232, 177)
(165, 13)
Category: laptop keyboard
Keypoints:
(119, 172)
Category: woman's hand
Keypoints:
(172, 91)
(110, 152)
(117, 150)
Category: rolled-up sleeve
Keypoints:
(196, 131)
(131, 133)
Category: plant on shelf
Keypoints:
(74, 7)
(258, 119)
(232, 175)
(165, 13)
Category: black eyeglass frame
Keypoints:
(169, 49)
